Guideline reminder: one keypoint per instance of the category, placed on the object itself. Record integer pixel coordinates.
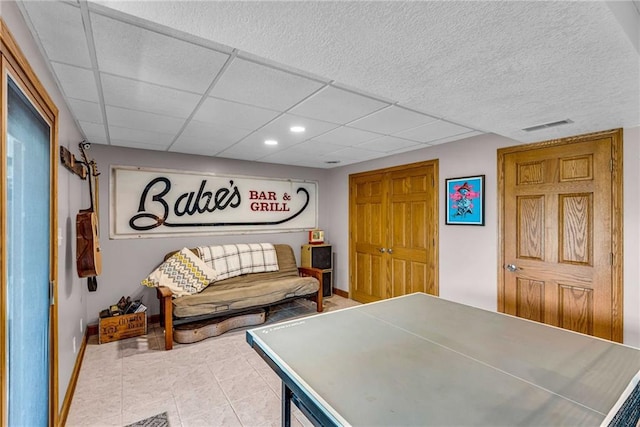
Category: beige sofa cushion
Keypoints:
(239, 295)
(249, 290)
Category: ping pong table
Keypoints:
(419, 360)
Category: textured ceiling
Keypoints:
(366, 79)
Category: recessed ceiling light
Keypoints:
(297, 129)
(271, 142)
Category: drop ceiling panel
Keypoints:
(133, 119)
(61, 31)
(406, 149)
(455, 138)
(287, 157)
(256, 141)
(141, 136)
(433, 131)
(127, 93)
(392, 120)
(350, 155)
(212, 137)
(387, 144)
(153, 57)
(214, 131)
(85, 111)
(78, 83)
(315, 148)
(337, 106)
(496, 66)
(244, 151)
(257, 84)
(204, 147)
(347, 136)
(280, 128)
(139, 145)
(94, 132)
(219, 111)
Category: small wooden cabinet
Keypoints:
(320, 256)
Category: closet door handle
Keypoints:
(390, 251)
(382, 250)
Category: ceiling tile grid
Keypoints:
(257, 84)
(126, 93)
(207, 138)
(160, 89)
(337, 106)
(60, 31)
(388, 144)
(85, 111)
(76, 83)
(391, 120)
(244, 116)
(141, 120)
(366, 79)
(137, 53)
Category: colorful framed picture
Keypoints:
(465, 200)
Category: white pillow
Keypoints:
(184, 273)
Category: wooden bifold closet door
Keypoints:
(393, 226)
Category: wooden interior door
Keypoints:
(393, 232)
(368, 234)
(561, 228)
(412, 257)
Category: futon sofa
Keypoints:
(240, 294)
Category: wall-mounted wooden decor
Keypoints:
(70, 162)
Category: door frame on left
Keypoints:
(13, 62)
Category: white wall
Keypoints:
(469, 255)
(70, 302)
(125, 262)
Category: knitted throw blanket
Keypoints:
(235, 260)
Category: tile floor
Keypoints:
(220, 381)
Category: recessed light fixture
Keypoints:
(271, 142)
(297, 129)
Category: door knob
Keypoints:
(390, 250)
(382, 250)
(510, 267)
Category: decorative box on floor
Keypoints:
(120, 327)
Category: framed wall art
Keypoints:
(465, 200)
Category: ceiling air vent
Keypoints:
(548, 125)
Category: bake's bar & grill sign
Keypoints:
(155, 203)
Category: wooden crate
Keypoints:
(120, 327)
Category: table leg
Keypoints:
(286, 405)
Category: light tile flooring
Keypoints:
(220, 381)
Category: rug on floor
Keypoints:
(160, 420)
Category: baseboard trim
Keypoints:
(93, 328)
(73, 381)
(341, 293)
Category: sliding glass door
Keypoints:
(28, 260)
(28, 253)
